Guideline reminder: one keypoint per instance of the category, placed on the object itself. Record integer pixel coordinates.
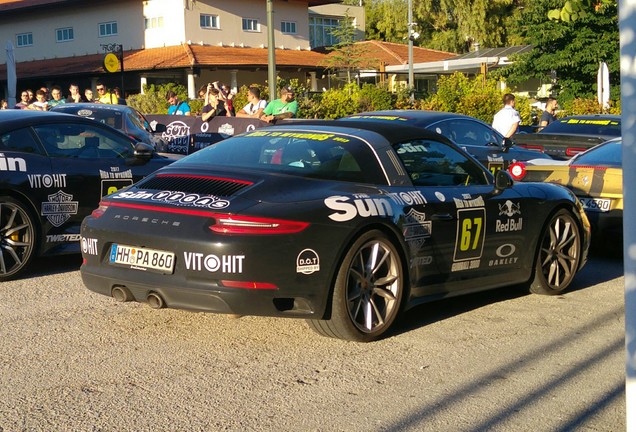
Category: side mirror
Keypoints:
(143, 151)
(159, 128)
(503, 180)
(507, 143)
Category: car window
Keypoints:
(85, 141)
(20, 140)
(138, 121)
(466, 132)
(317, 154)
(433, 163)
(591, 126)
(106, 116)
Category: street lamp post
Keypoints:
(410, 35)
(271, 51)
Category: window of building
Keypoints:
(320, 31)
(209, 21)
(250, 24)
(24, 39)
(288, 27)
(108, 29)
(64, 34)
(154, 22)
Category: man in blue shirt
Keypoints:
(176, 107)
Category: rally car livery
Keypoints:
(342, 223)
(54, 169)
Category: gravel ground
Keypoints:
(71, 360)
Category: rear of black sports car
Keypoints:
(199, 248)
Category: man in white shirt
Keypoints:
(255, 106)
(507, 120)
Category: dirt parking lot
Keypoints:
(501, 361)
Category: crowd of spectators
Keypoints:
(44, 99)
(218, 101)
(217, 98)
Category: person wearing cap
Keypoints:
(285, 107)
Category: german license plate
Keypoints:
(596, 204)
(142, 258)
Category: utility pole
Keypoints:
(271, 51)
(410, 35)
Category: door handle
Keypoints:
(442, 217)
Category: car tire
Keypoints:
(17, 237)
(558, 255)
(368, 291)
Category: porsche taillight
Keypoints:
(237, 224)
(99, 211)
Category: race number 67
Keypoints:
(470, 233)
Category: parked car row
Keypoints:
(343, 223)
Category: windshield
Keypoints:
(315, 154)
(608, 154)
(110, 117)
(601, 126)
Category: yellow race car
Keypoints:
(595, 177)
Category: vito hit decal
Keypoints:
(37, 181)
(59, 208)
(213, 263)
(89, 246)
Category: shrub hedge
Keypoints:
(455, 93)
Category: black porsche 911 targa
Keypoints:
(343, 224)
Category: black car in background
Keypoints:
(572, 135)
(345, 224)
(54, 169)
(476, 137)
(121, 117)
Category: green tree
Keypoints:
(572, 49)
(386, 20)
(453, 25)
(573, 10)
(448, 25)
(346, 54)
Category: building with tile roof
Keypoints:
(187, 41)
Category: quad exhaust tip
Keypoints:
(121, 293)
(155, 301)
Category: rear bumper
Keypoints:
(208, 296)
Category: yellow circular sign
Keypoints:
(111, 62)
